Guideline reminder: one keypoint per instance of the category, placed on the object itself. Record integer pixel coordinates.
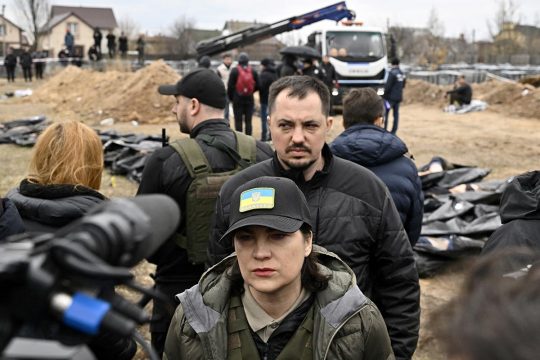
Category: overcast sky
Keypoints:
(457, 16)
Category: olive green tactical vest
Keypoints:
(203, 190)
(242, 346)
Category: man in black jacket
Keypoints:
(267, 77)
(462, 92)
(353, 213)
(10, 63)
(200, 100)
(393, 93)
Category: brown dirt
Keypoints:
(508, 144)
(519, 99)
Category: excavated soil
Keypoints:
(124, 96)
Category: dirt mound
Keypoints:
(514, 99)
(418, 91)
(121, 95)
(531, 80)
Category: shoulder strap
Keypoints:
(247, 147)
(193, 156)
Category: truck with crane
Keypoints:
(358, 53)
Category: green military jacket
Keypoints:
(347, 325)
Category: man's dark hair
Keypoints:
(299, 86)
(362, 106)
(395, 61)
(494, 317)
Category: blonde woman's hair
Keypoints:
(67, 153)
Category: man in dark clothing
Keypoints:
(199, 111)
(287, 66)
(393, 93)
(97, 39)
(69, 41)
(10, 62)
(205, 62)
(520, 216)
(267, 77)
(310, 68)
(111, 44)
(353, 213)
(366, 143)
(141, 43)
(123, 45)
(241, 94)
(26, 63)
(330, 78)
(462, 93)
(39, 63)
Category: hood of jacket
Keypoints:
(206, 304)
(368, 145)
(521, 199)
(53, 205)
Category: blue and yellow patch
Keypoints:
(257, 198)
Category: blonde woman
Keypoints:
(63, 179)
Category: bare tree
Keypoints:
(128, 26)
(34, 15)
(507, 13)
(182, 30)
(436, 48)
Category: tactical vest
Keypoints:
(242, 346)
(204, 189)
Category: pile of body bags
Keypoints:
(460, 213)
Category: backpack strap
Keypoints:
(193, 157)
(247, 147)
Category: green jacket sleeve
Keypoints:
(182, 342)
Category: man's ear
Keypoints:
(329, 123)
(194, 107)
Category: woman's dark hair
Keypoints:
(312, 278)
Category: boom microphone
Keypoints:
(123, 231)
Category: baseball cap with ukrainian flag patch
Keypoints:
(273, 202)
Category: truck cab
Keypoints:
(358, 53)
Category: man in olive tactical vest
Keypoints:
(191, 171)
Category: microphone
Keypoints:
(123, 231)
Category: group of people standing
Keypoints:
(95, 51)
(27, 60)
(242, 81)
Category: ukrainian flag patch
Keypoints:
(257, 198)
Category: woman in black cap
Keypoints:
(278, 295)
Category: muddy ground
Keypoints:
(508, 145)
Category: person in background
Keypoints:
(204, 62)
(38, 57)
(462, 92)
(123, 45)
(26, 64)
(243, 82)
(280, 296)
(224, 70)
(310, 68)
(69, 42)
(366, 143)
(10, 62)
(98, 36)
(330, 78)
(288, 66)
(267, 77)
(140, 49)
(353, 214)
(111, 44)
(393, 93)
